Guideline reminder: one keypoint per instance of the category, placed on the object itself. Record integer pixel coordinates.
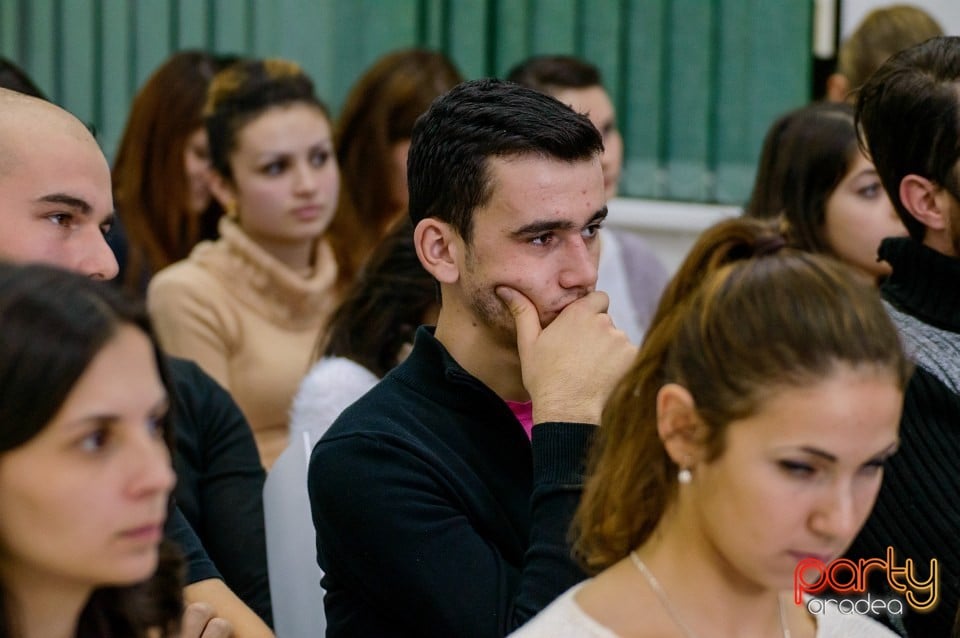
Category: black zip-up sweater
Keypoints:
(435, 515)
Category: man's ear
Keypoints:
(223, 191)
(679, 425)
(925, 201)
(837, 88)
(438, 248)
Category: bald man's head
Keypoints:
(55, 194)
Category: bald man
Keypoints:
(56, 205)
(55, 195)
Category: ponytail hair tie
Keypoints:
(769, 245)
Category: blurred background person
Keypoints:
(813, 176)
(85, 463)
(248, 306)
(630, 273)
(880, 34)
(161, 171)
(371, 139)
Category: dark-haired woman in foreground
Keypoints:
(85, 470)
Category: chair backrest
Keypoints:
(295, 589)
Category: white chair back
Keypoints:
(295, 589)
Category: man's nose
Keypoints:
(97, 259)
(580, 264)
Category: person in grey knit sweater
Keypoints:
(909, 118)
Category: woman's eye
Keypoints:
(156, 425)
(274, 168)
(94, 441)
(320, 158)
(873, 467)
(797, 468)
(872, 190)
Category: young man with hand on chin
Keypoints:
(442, 498)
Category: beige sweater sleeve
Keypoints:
(190, 315)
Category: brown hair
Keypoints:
(879, 35)
(242, 92)
(383, 307)
(379, 112)
(806, 154)
(149, 184)
(553, 73)
(743, 317)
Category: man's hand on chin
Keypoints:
(570, 367)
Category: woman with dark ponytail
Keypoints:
(748, 436)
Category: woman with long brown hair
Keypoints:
(372, 137)
(161, 172)
(748, 438)
(825, 192)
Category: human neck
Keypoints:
(940, 241)
(496, 364)
(705, 592)
(297, 256)
(46, 607)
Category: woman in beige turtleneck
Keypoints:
(247, 307)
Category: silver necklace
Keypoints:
(662, 596)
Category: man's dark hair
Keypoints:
(447, 171)
(550, 73)
(908, 120)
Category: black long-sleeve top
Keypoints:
(435, 515)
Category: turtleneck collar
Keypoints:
(924, 283)
(264, 283)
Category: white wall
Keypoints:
(669, 227)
